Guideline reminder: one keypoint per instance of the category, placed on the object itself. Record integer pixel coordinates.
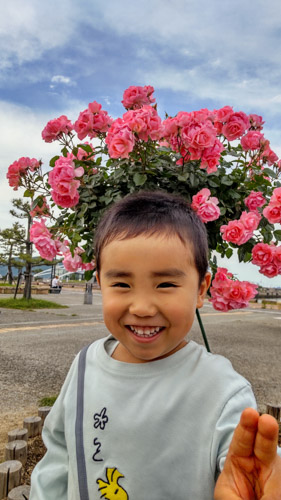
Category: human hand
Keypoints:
(252, 469)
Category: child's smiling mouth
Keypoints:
(145, 331)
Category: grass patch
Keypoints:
(29, 304)
(47, 401)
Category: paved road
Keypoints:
(37, 347)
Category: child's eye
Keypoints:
(166, 285)
(121, 285)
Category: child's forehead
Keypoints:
(173, 241)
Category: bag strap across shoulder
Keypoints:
(79, 438)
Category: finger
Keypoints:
(243, 441)
(266, 439)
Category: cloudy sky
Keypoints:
(57, 56)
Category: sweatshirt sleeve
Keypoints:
(228, 420)
(49, 479)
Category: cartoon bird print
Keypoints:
(111, 490)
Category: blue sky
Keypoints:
(58, 56)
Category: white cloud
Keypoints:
(66, 80)
(20, 129)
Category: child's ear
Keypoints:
(98, 278)
(203, 288)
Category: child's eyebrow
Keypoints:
(115, 273)
(171, 272)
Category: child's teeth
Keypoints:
(146, 332)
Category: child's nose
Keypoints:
(142, 306)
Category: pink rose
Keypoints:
(223, 114)
(42, 239)
(199, 135)
(262, 254)
(70, 263)
(64, 183)
(120, 140)
(211, 157)
(252, 140)
(200, 198)
(273, 213)
(235, 232)
(84, 124)
(39, 229)
(220, 304)
(19, 169)
(208, 211)
(270, 270)
(236, 126)
(277, 257)
(55, 128)
(65, 201)
(276, 195)
(145, 122)
(250, 220)
(256, 121)
(254, 200)
(46, 247)
(136, 97)
(88, 266)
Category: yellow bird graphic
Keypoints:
(111, 490)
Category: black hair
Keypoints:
(152, 212)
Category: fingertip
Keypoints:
(249, 418)
(268, 426)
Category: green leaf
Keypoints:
(270, 172)
(85, 147)
(28, 193)
(229, 253)
(53, 161)
(88, 275)
(277, 234)
(226, 181)
(139, 179)
(64, 151)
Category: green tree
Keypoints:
(12, 241)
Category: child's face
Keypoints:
(150, 292)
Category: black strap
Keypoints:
(80, 455)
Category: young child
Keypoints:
(145, 414)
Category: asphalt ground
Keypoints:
(37, 347)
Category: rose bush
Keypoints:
(219, 160)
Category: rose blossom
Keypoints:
(205, 206)
(70, 263)
(208, 211)
(252, 140)
(136, 97)
(55, 128)
(20, 168)
(256, 121)
(254, 200)
(235, 126)
(42, 239)
(273, 212)
(145, 122)
(235, 232)
(250, 220)
(120, 140)
(64, 183)
(276, 195)
(199, 135)
(262, 254)
(228, 294)
(200, 198)
(270, 270)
